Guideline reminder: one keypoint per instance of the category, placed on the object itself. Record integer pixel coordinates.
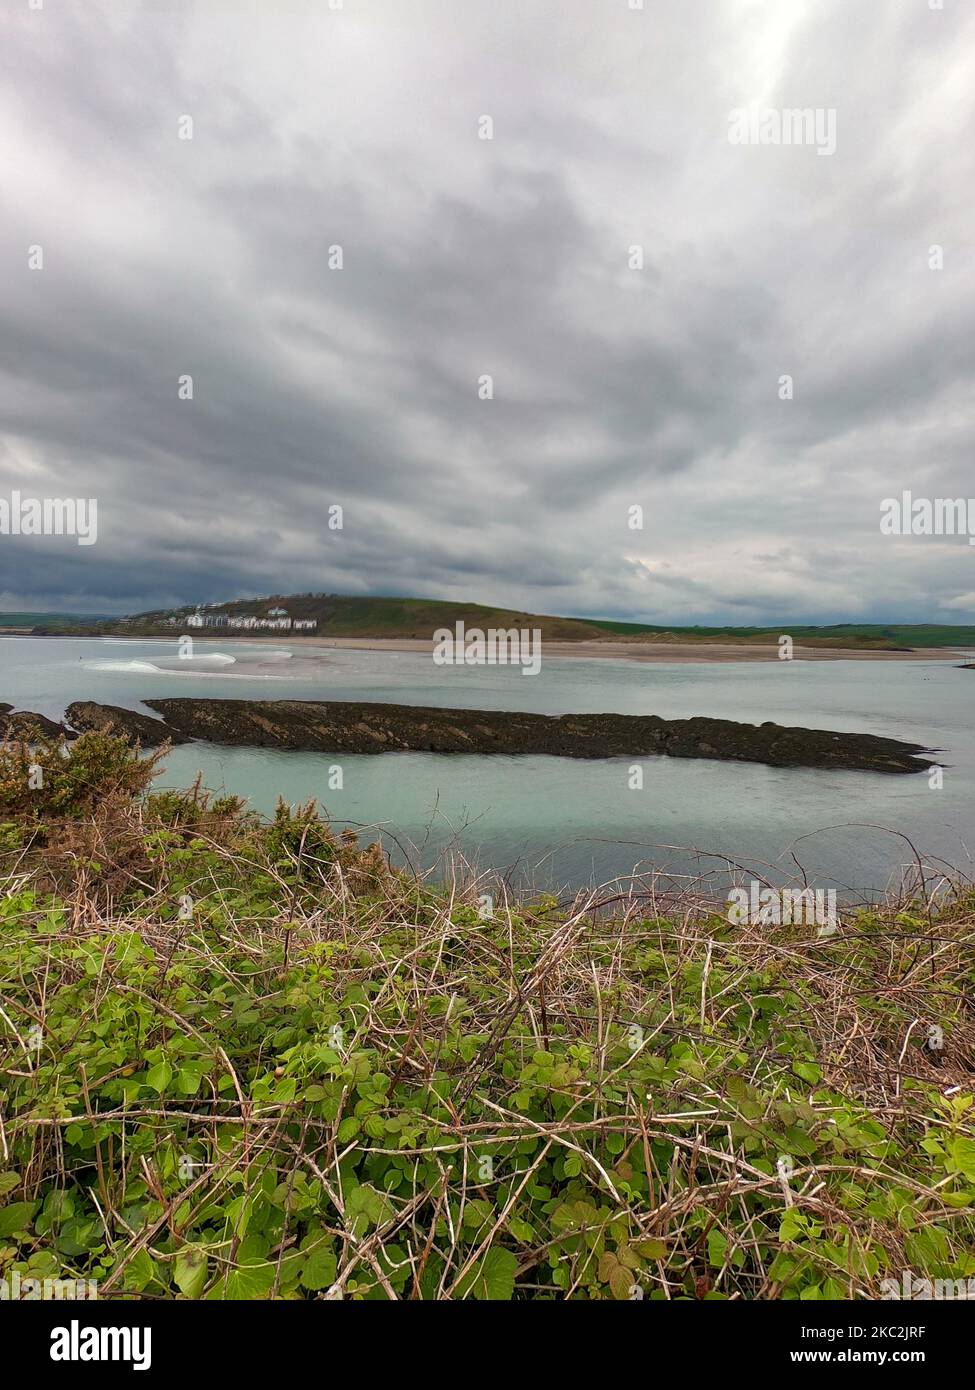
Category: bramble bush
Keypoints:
(244, 1060)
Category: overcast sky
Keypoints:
(614, 387)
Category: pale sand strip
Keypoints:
(670, 652)
(626, 651)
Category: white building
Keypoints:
(276, 621)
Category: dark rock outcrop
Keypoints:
(25, 724)
(85, 715)
(340, 727)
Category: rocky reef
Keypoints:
(342, 727)
(24, 724)
(85, 715)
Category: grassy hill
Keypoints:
(339, 615)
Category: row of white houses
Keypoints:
(276, 621)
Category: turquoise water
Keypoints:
(563, 823)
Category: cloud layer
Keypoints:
(463, 257)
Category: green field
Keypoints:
(868, 634)
(32, 620)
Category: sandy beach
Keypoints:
(706, 652)
(702, 653)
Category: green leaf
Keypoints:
(652, 1249)
(492, 1280)
(478, 1213)
(320, 1268)
(140, 1271)
(962, 1154)
(249, 1282)
(79, 1236)
(190, 1272)
(365, 1207)
(808, 1071)
(628, 1257)
(792, 1224)
(254, 1275)
(159, 1077)
(188, 1080)
(16, 1217)
(717, 1246)
(8, 1181)
(618, 1273)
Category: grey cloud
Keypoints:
(508, 257)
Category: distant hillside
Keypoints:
(340, 616)
(26, 622)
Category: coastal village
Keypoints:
(277, 620)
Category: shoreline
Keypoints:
(705, 653)
(671, 653)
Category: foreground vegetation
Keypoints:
(243, 1060)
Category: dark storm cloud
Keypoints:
(613, 387)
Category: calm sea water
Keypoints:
(563, 823)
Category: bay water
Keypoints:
(561, 823)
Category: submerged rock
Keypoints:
(342, 727)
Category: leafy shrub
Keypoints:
(50, 777)
(244, 1060)
(390, 1097)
